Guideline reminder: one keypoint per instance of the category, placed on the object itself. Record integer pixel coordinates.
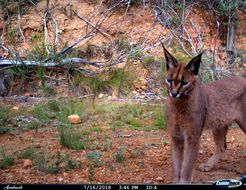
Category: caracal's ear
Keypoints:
(170, 60)
(194, 64)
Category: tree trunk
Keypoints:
(230, 39)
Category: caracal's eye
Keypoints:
(184, 83)
(169, 81)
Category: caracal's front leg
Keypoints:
(190, 155)
(177, 157)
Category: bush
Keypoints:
(6, 160)
(70, 139)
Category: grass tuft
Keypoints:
(6, 160)
(70, 139)
(42, 163)
(28, 153)
(119, 155)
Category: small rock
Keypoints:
(156, 90)
(27, 163)
(142, 97)
(27, 94)
(65, 174)
(231, 140)
(159, 179)
(60, 179)
(15, 108)
(74, 119)
(115, 94)
(100, 96)
(38, 145)
(148, 182)
(144, 87)
(109, 97)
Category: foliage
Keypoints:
(70, 107)
(43, 164)
(28, 153)
(119, 3)
(119, 155)
(5, 160)
(135, 115)
(226, 7)
(57, 110)
(11, 36)
(71, 164)
(70, 139)
(4, 116)
(148, 59)
(137, 152)
(95, 157)
(105, 81)
(160, 121)
(10, 7)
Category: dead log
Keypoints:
(75, 60)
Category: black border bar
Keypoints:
(111, 187)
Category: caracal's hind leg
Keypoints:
(219, 135)
(241, 121)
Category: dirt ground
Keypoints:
(151, 165)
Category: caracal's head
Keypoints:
(180, 77)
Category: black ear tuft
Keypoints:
(170, 60)
(194, 64)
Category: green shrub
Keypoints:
(43, 164)
(94, 158)
(6, 160)
(70, 139)
(70, 164)
(160, 121)
(119, 155)
(28, 153)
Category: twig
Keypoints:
(183, 20)
(74, 44)
(1, 39)
(55, 25)
(96, 27)
(18, 23)
(199, 37)
(45, 28)
(87, 35)
(215, 40)
(48, 14)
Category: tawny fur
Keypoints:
(212, 106)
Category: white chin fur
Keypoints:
(170, 94)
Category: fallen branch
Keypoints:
(7, 62)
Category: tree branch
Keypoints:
(7, 62)
(91, 24)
